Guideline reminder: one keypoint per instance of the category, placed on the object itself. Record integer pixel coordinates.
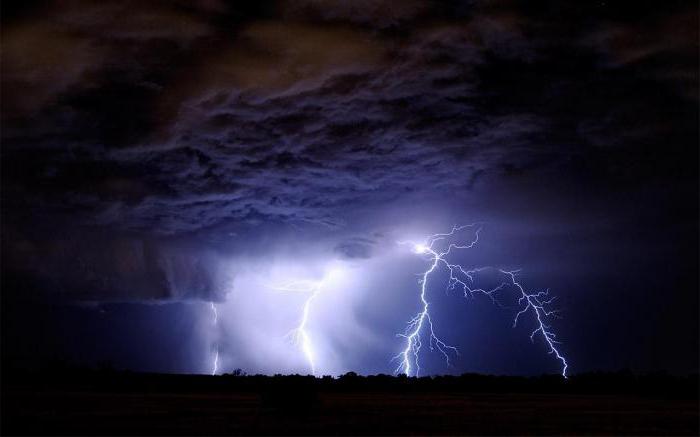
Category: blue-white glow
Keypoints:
(537, 304)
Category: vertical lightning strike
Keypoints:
(215, 320)
(463, 278)
(534, 303)
(300, 334)
(415, 325)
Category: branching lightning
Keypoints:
(436, 251)
(537, 304)
(215, 322)
(300, 335)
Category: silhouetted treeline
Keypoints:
(105, 379)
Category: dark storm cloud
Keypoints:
(371, 13)
(661, 50)
(353, 248)
(170, 120)
(64, 47)
(89, 267)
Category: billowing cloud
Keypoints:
(355, 248)
(188, 125)
(373, 13)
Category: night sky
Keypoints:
(161, 156)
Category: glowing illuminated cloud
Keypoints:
(312, 289)
(436, 250)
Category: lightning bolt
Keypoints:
(312, 288)
(537, 304)
(215, 322)
(300, 334)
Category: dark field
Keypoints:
(189, 405)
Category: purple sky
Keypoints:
(158, 156)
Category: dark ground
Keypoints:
(89, 403)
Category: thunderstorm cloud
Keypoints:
(154, 151)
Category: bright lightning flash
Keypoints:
(300, 334)
(215, 321)
(420, 248)
(537, 304)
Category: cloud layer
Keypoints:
(181, 125)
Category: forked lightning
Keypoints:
(436, 249)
